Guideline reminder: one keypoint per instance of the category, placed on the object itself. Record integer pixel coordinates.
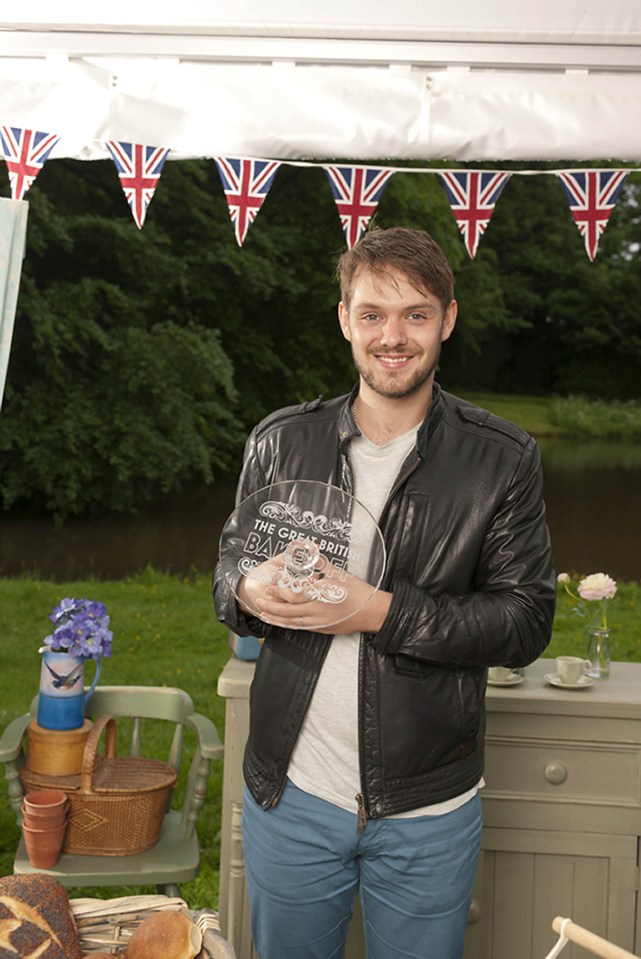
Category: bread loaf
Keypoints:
(36, 918)
(165, 935)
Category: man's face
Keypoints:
(396, 332)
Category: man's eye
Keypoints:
(417, 317)
(371, 317)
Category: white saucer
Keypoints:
(512, 680)
(555, 680)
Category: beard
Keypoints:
(389, 386)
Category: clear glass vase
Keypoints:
(598, 652)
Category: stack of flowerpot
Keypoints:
(44, 821)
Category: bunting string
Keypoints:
(592, 193)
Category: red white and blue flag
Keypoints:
(246, 184)
(139, 168)
(25, 153)
(592, 195)
(356, 190)
(473, 195)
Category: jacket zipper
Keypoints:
(362, 818)
(397, 486)
(278, 794)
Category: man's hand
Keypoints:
(296, 602)
(256, 585)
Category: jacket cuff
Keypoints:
(400, 617)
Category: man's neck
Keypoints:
(382, 418)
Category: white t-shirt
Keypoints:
(325, 760)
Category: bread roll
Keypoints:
(165, 935)
(35, 917)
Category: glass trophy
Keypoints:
(305, 538)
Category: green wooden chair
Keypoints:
(175, 857)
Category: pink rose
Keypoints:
(597, 586)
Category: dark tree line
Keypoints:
(140, 359)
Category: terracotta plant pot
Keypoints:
(43, 803)
(44, 820)
(44, 845)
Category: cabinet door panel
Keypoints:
(519, 891)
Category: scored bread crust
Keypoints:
(170, 934)
(36, 919)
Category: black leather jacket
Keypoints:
(470, 569)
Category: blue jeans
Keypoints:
(306, 862)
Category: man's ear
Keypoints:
(343, 319)
(449, 321)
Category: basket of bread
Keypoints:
(37, 918)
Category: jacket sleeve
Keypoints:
(226, 605)
(506, 619)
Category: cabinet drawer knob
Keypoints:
(556, 773)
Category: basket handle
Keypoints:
(91, 746)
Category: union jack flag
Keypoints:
(246, 184)
(356, 190)
(25, 152)
(473, 195)
(592, 195)
(139, 168)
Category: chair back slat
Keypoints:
(176, 751)
(135, 740)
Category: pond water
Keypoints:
(591, 492)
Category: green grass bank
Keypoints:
(573, 417)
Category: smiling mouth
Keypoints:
(393, 361)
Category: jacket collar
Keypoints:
(347, 426)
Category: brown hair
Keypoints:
(413, 252)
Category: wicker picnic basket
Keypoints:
(116, 804)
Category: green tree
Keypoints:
(116, 391)
(576, 327)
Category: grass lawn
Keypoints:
(166, 633)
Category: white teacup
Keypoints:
(570, 668)
(499, 674)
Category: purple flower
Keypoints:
(82, 628)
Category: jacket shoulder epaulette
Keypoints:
(477, 416)
(287, 412)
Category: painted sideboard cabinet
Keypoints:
(561, 806)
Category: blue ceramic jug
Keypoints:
(62, 698)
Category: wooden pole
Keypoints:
(595, 944)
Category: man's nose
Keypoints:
(393, 333)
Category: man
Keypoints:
(365, 753)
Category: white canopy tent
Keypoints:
(292, 79)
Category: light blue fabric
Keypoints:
(305, 863)
(13, 231)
